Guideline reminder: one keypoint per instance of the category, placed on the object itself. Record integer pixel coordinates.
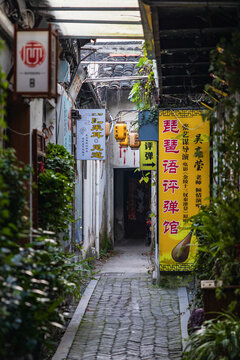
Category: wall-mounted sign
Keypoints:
(148, 155)
(35, 73)
(183, 184)
(91, 134)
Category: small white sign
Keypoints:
(91, 134)
(32, 61)
(36, 62)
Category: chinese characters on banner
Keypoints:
(91, 134)
(148, 155)
(183, 184)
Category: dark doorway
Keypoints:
(132, 201)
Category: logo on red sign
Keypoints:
(33, 53)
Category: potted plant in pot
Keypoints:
(218, 339)
(143, 95)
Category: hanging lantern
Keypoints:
(134, 141)
(107, 128)
(120, 131)
(124, 143)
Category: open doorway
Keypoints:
(132, 201)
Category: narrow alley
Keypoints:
(127, 317)
(119, 179)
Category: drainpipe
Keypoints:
(31, 176)
(97, 208)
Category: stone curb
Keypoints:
(67, 339)
(184, 314)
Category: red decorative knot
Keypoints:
(42, 167)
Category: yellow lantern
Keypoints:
(124, 143)
(120, 131)
(134, 140)
(107, 128)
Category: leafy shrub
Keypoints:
(34, 281)
(55, 201)
(13, 190)
(217, 228)
(217, 340)
(60, 161)
(34, 277)
(56, 186)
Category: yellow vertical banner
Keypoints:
(184, 178)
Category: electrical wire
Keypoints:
(185, 127)
(18, 133)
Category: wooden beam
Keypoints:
(191, 4)
(103, 22)
(80, 8)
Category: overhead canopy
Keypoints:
(94, 18)
(180, 34)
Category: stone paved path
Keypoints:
(129, 318)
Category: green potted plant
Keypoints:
(215, 340)
(217, 228)
(143, 95)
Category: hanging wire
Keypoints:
(18, 133)
(185, 127)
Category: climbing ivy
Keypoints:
(222, 96)
(143, 91)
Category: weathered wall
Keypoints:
(119, 107)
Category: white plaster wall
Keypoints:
(109, 193)
(88, 208)
(96, 204)
(102, 189)
(36, 118)
(120, 107)
(123, 157)
(36, 114)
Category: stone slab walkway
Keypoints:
(129, 318)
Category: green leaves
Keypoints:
(55, 187)
(35, 277)
(217, 229)
(34, 280)
(143, 91)
(216, 340)
(146, 178)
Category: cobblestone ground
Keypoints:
(129, 318)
